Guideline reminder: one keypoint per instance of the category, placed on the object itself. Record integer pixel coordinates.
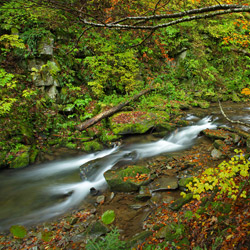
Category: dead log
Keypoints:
(110, 112)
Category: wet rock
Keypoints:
(89, 168)
(139, 238)
(96, 230)
(164, 183)
(100, 199)
(236, 138)
(144, 194)
(219, 144)
(128, 179)
(176, 205)
(217, 154)
(94, 191)
(137, 206)
(216, 134)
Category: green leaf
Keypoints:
(108, 217)
(18, 231)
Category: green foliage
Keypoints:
(110, 242)
(222, 179)
(108, 217)
(18, 231)
(113, 72)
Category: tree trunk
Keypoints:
(107, 113)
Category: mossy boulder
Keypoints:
(216, 134)
(139, 238)
(176, 205)
(139, 122)
(22, 158)
(128, 179)
(219, 144)
(96, 230)
(92, 146)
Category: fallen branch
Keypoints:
(109, 112)
(232, 121)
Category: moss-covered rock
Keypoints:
(128, 179)
(91, 146)
(219, 144)
(139, 238)
(22, 158)
(216, 134)
(184, 181)
(139, 122)
(176, 205)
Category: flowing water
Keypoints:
(38, 193)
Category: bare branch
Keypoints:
(232, 121)
(181, 20)
(182, 14)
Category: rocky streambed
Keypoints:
(138, 185)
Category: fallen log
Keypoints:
(110, 112)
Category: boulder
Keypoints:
(164, 183)
(217, 154)
(176, 205)
(144, 194)
(216, 134)
(128, 179)
(139, 122)
(219, 144)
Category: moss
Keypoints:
(22, 159)
(181, 202)
(184, 181)
(126, 180)
(139, 122)
(3, 155)
(92, 146)
(33, 154)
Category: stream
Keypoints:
(41, 192)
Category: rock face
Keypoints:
(44, 68)
(128, 179)
(139, 122)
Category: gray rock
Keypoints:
(139, 238)
(164, 183)
(217, 154)
(144, 194)
(100, 199)
(45, 47)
